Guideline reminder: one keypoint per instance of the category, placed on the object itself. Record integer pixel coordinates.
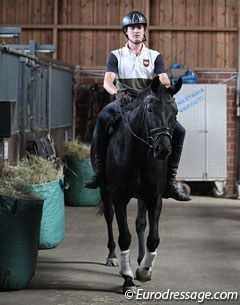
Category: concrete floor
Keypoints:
(199, 252)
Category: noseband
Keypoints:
(152, 135)
(155, 133)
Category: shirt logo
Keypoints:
(146, 62)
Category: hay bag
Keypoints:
(52, 228)
(77, 194)
(19, 236)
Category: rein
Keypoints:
(159, 131)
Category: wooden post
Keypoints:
(147, 14)
(55, 29)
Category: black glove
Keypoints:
(123, 97)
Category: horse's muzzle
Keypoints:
(161, 142)
(162, 150)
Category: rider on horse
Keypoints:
(130, 70)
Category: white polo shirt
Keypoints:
(134, 73)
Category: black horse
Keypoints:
(136, 167)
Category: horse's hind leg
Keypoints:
(144, 272)
(108, 210)
(141, 223)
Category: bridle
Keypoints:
(152, 135)
(159, 131)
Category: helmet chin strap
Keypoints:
(144, 39)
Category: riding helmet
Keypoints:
(133, 18)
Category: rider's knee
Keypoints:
(179, 129)
(102, 121)
(178, 134)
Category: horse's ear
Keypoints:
(155, 84)
(177, 86)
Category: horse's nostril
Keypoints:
(161, 152)
(157, 149)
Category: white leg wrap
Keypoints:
(125, 264)
(148, 259)
(144, 271)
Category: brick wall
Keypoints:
(85, 79)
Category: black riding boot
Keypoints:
(99, 179)
(171, 189)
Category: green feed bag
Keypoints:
(77, 174)
(19, 236)
(52, 229)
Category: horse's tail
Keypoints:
(100, 208)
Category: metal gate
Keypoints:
(42, 91)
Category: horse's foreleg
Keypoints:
(154, 211)
(108, 210)
(124, 242)
(141, 223)
(126, 272)
(124, 239)
(144, 272)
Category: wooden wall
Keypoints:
(200, 33)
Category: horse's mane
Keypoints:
(142, 94)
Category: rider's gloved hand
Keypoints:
(123, 97)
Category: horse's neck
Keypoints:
(136, 130)
(135, 120)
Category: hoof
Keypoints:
(112, 262)
(129, 288)
(133, 289)
(144, 274)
